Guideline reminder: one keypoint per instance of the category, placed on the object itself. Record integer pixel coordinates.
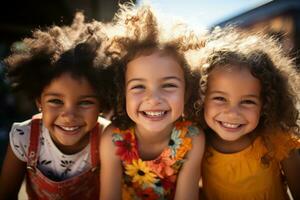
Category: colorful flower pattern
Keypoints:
(155, 179)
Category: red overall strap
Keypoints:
(94, 138)
(33, 145)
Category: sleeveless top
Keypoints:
(153, 179)
(244, 175)
(83, 186)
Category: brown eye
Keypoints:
(219, 99)
(137, 87)
(249, 102)
(86, 103)
(55, 101)
(169, 85)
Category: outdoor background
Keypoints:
(280, 18)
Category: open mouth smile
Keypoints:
(154, 114)
(69, 130)
(228, 125)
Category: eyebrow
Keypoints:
(173, 77)
(224, 93)
(217, 92)
(165, 78)
(81, 97)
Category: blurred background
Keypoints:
(279, 18)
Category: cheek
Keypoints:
(206, 111)
(176, 102)
(210, 110)
(131, 102)
(92, 114)
(255, 115)
(47, 120)
(92, 120)
(207, 115)
(128, 106)
(207, 107)
(177, 98)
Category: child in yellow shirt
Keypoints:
(250, 95)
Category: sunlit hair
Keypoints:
(48, 54)
(265, 59)
(140, 34)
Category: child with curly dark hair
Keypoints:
(251, 93)
(62, 71)
(151, 150)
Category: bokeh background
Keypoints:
(279, 18)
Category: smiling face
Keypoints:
(154, 92)
(70, 110)
(232, 103)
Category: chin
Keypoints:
(229, 139)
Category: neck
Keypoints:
(151, 144)
(73, 148)
(225, 146)
(151, 137)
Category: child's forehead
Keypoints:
(153, 66)
(230, 67)
(71, 77)
(230, 70)
(67, 84)
(233, 73)
(155, 58)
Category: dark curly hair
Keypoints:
(141, 34)
(75, 49)
(266, 61)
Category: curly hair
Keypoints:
(75, 49)
(266, 61)
(140, 34)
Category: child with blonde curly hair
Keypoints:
(152, 150)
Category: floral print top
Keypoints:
(153, 179)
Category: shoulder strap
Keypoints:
(94, 141)
(33, 144)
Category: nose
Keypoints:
(153, 97)
(69, 113)
(233, 111)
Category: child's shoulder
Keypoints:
(107, 145)
(114, 133)
(108, 133)
(19, 137)
(283, 143)
(189, 134)
(187, 128)
(21, 127)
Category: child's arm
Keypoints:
(291, 167)
(188, 180)
(12, 175)
(111, 168)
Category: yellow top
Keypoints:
(243, 176)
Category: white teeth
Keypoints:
(154, 114)
(229, 125)
(73, 128)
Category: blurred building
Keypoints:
(17, 20)
(279, 18)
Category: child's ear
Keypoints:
(38, 104)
